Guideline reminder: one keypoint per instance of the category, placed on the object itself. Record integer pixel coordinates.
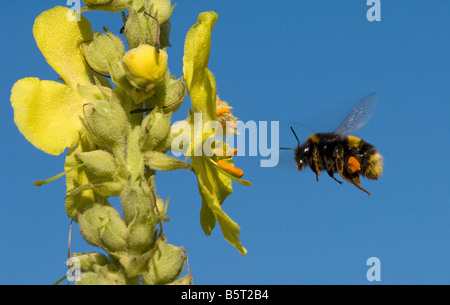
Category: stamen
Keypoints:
(232, 170)
(218, 102)
(229, 170)
(41, 182)
(222, 110)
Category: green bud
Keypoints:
(166, 264)
(169, 95)
(162, 162)
(109, 188)
(138, 203)
(154, 129)
(140, 28)
(166, 145)
(141, 236)
(107, 5)
(106, 189)
(103, 52)
(106, 123)
(99, 162)
(162, 9)
(90, 261)
(102, 226)
(135, 265)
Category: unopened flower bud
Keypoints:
(102, 226)
(106, 123)
(165, 265)
(109, 188)
(90, 261)
(162, 9)
(99, 162)
(138, 203)
(104, 52)
(154, 129)
(145, 65)
(170, 94)
(163, 162)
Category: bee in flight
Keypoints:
(339, 152)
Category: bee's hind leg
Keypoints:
(332, 176)
(360, 187)
(354, 181)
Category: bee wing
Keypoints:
(359, 116)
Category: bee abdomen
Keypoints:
(374, 166)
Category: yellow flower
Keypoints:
(47, 112)
(215, 173)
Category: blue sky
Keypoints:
(287, 61)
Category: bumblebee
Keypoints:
(339, 152)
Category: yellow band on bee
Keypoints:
(314, 138)
(375, 166)
(354, 141)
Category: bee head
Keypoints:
(300, 158)
(299, 153)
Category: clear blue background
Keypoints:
(273, 61)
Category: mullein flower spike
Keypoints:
(96, 112)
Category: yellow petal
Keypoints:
(59, 39)
(47, 113)
(200, 82)
(214, 187)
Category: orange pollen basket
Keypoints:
(353, 165)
